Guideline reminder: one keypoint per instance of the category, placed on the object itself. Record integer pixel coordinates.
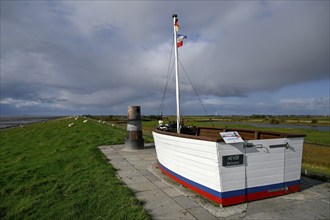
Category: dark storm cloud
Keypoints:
(100, 57)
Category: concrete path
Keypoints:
(165, 199)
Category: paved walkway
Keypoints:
(164, 199)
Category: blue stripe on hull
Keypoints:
(233, 193)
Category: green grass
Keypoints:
(52, 171)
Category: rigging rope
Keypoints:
(169, 73)
(193, 88)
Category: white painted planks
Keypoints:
(201, 161)
(193, 159)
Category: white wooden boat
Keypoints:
(258, 165)
(266, 164)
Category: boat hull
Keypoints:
(270, 168)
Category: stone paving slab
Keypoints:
(201, 213)
(161, 206)
(140, 187)
(185, 202)
(165, 199)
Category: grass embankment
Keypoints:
(52, 171)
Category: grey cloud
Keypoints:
(312, 104)
(105, 55)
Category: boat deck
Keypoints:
(213, 134)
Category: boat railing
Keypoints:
(246, 134)
(213, 134)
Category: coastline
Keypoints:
(15, 121)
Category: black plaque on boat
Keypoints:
(232, 160)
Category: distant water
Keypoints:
(260, 125)
(14, 121)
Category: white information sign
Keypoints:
(231, 137)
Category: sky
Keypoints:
(99, 57)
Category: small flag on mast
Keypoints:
(176, 25)
(180, 40)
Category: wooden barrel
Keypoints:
(134, 139)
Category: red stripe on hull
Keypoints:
(193, 188)
(266, 194)
(233, 200)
